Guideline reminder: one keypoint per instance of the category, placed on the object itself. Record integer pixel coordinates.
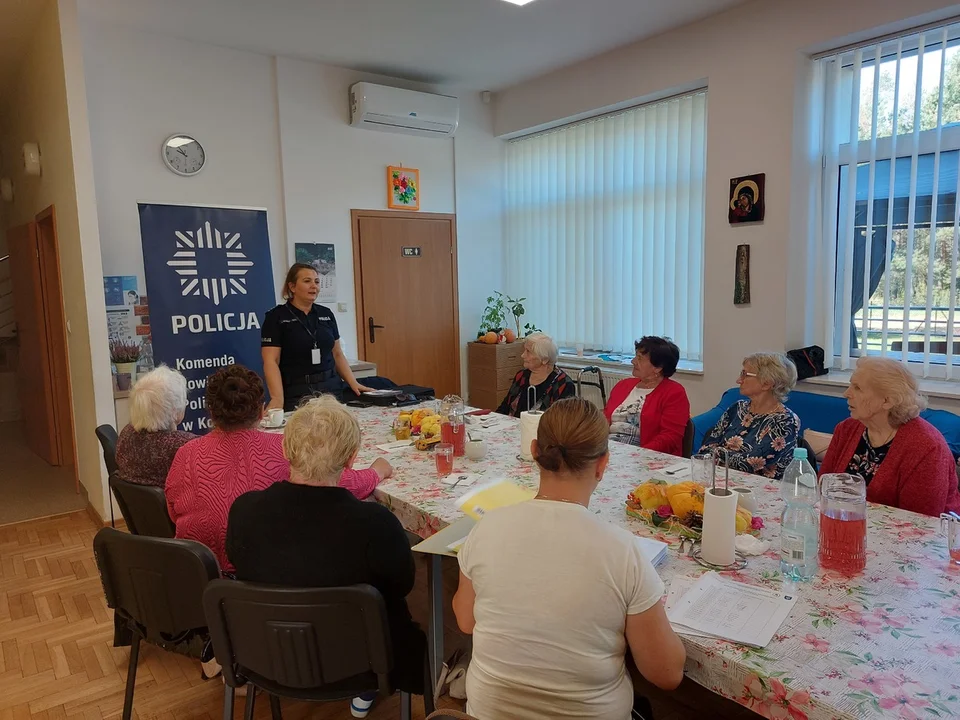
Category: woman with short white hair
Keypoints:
(904, 459)
(758, 435)
(540, 372)
(309, 533)
(146, 447)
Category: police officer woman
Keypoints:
(300, 344)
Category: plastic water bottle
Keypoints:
(799, 524)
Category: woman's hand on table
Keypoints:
(359, 389)
(382, 468)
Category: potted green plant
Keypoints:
(494, 318)
(124, 356)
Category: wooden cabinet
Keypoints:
(491, 371)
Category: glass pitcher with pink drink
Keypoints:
(453, 430)
(843, 522)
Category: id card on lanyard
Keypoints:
(315, 355)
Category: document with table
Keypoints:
(717, 607)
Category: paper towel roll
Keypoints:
(718, 545)
(529, 421)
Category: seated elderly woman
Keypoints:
(552, 624)
(759, 434)
(903, 458)
(649, 409)
(308, 532)
(146, 447)
(540, 372)
(209, 473)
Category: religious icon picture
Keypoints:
(746, 199)
(741, 285)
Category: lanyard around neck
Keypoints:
(313, 335)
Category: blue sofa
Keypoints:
(822, 413)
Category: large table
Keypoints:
(883, 644)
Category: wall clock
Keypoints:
(183, 154)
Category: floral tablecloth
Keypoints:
(883, 644)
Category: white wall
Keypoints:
(276, 134)
(755, 60)
(142, 88)
(330, 168)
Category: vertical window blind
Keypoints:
(604, 226)
(891, 148)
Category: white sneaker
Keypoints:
(360, 707)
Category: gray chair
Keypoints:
(107, 436)
(317, 644)
(144, 508)
(155, 587)
(688, 434)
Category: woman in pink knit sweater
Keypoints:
(903, 458)
(209, 473)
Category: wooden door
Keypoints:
(56, 335)
(34, 372)
(406, 280)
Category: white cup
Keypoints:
(275, 417)
(475, 449)
(746, 499)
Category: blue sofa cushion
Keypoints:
(822, 413)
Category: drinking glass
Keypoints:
(843, 522)
(703, 468)
(950, 524)
(444, 458)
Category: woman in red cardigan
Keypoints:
(649, 409)
(903, 458)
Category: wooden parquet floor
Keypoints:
(56, 635)
(57, 660)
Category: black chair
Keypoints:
(811, 455)
(155, 586)
(144, 508)
(108, 441)
(320, 644)
(688, 434)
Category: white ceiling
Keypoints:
(474, 44)
(18, 18)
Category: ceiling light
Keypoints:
(519, 2)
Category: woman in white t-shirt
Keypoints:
(554, 596)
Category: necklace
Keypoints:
(886, 440)
(648, 384)
(560, 499)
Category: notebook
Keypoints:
(491, 496)
(654, 550)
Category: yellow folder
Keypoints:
(489, 497)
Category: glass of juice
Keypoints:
(950, 524)
(843, 522)
(444, 458)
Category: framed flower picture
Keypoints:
(403, 188)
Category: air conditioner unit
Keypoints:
(390, 109)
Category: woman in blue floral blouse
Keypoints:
(759, 433)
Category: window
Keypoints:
(604, 226)
(891, 146)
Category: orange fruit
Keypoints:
(510, 335)
(491, 338)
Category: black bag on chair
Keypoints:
(809, 361)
